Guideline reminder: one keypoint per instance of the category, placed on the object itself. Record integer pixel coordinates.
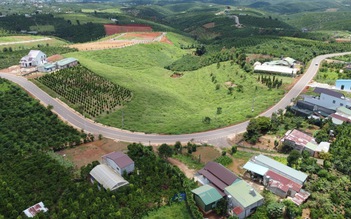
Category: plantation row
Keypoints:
(90, 93)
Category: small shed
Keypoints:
(35, 209)
(206, 197)
(66, 63)
(48, 67)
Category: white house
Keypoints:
(35, 209)
(34, 58)
(119, 162)
(328, 98)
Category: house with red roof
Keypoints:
(35, 209)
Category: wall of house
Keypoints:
(250, 209)
(112, 164)
(327, 101)
(129, 168)
(343, 85)
(309, 151)
(293, 145)
(200, 203)
(277, 191)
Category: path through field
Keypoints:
(25, 41)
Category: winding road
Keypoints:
(218, 135)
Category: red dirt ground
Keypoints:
(55, 58)
(146, 36)
(87, 153)
(164, 39)
(111, 29)
(101, 45)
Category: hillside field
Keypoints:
(165, 104)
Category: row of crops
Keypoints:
(91, 94)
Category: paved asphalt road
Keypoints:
(77, 120)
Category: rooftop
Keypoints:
(35, 209)
(329, 92)
(298, 137)
(344, 110)
(275, 165)
(323, 146)
(243, 193)
(120, 158)
(208, 194)
(260, 170)
(282, 182)
(218, 175)
(107, 177)
(66, 61)
(275, 68)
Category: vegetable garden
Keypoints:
(89, 93)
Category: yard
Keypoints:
(175, 211)
(162, 104)
(87, 153)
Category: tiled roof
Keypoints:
(298, 137)
(120, 158)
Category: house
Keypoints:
(256, 171)
(284, 170)
(66, 63)
(328, 99)
(106, 177)
(217, 176)
(280, 185)
(341, 115)
(35, 209)
(242, 199)
(109, 173)
(343, 84)
(306, 109)
(34, 58)
(282, 66)
(119, 162)
(206, 197)
(48, 67)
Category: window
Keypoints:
(341, 104)
(333, 101)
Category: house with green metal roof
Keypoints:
(242, 199)
(206, 197)
(66, 63)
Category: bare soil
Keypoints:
(207, 153)
(209, 25)
(89, 152)
(189, 173)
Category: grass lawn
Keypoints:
(43, 28)
(190, 161)
(107, 10)
(328, 77)
(175, 211)
(83, 18)
(8, 39)
(20, 46)
(162, 104)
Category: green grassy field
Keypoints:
(175, 211)
(163, 104)
(20, 46)
(43, 28)
(83, 18)
(7, 39)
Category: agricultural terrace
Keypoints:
(164, 102)
(22, 42)
(80, 18)
(89, 93)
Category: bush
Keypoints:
(224, 160)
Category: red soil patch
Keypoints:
(176, 75)
(164, 39)
(145, 36)
(111, 29)
(87, 153)
(101, 45)
(55, 58)
(342, 40)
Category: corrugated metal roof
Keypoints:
(107, 177)
(243, 193)
(323, 146)
(66, 61)
(329, 92)
(344, 110)
(311, 146)
(120, 158)
(208, 194)
(282, 182)
(298, 137)
(256, 168)
(275, 165)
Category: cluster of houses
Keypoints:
(220, 183)
(109, 173)
(39, 60)
(285, 66)
(325, 104)
(300, 141)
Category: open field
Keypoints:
(23, 42)
(164, 104)
(89, 152)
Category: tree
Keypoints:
(292, 211)
(234, 149)
(293, 158)
(178, 147)
(206, 120)
(219, 110)
(200, 50)
(275, 209)
(165, 151)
